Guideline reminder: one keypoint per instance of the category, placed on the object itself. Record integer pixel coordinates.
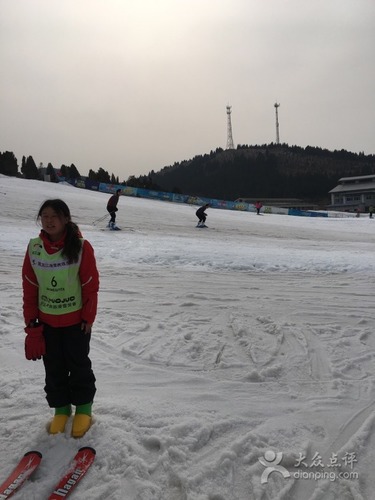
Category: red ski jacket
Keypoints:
(89, 278)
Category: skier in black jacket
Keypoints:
(201, 214)
(112, 208)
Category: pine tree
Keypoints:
(52, 173)
(8, 164)
(29, 169)
(103, 175)
(73, 172)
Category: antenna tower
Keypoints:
(230, 144)
(277, 123)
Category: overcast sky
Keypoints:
(135, 85)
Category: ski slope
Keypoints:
(211, 348)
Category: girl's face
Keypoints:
(53, 224)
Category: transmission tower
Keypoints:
(230, 144)
(277, 123)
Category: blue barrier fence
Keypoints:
(190, 200)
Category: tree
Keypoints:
(64, 171)
(29, 169)
(70, 172)
(103, 176)
(73, 172)
(8, 164)
(93, 175)
(51, 172)
(131, 182)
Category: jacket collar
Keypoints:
(52, 246)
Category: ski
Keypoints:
(25, 467)
(80, 465)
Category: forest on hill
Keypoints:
(29, 170)
(253, 172)
(267, 171)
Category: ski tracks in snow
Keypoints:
(240, 359)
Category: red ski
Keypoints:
(80, 465)
(26, 466)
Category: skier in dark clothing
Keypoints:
(112, 208)
(201, 214)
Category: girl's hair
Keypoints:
(73, 244)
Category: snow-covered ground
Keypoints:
(213, 348)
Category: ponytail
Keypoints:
(73, 243)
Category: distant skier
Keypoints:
(258, 205)
(201, 214)
(112, 208)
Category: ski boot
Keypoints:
(60, 419)
(82, 420)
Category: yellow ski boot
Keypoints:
(60, 419)
(82, 420)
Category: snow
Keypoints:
(211, 348)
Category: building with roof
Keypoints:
(353, 193)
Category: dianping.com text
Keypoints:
(322, 475)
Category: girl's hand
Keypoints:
(86, 327)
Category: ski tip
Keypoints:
(33, 452)
(90, 448)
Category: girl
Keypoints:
(60, 292)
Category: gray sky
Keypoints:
(135, 85)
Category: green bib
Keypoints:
(59, 284)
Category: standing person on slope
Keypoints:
(201, 214)
(258, 205)
(112, 208)
(60, 295)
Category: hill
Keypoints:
(267, 171)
